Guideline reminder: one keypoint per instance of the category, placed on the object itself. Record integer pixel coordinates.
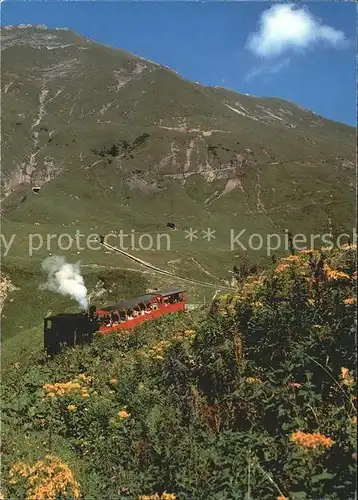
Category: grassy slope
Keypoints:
(309, 190)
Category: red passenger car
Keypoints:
(133, 312)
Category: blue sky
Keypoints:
(305, 54)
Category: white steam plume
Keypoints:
(65, 278)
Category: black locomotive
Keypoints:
(69, 330)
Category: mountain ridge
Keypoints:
(129, 54)
(105, 132)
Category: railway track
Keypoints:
(163, 271)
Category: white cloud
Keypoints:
(267, 70)
(288, 27)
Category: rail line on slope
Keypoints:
(163, 271)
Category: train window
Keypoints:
(103, 318)
(130, 314)
(114, 317)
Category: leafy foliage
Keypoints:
(254, 400)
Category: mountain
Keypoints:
(95, 140)
(111, 140)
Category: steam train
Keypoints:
(79, 328)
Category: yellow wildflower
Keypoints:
(281, 267)
(78, 385)
(349, 246)
(71, 407)
(333, 274)
(114, 380)
(281, 498)
(346, 377)
(350, 301)
(311, 441)
(253, 380)
(354, 420)
(292, 258)
(258, 282)
(155, 496)
(123, 414)
(47, 479)
(158, 350)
